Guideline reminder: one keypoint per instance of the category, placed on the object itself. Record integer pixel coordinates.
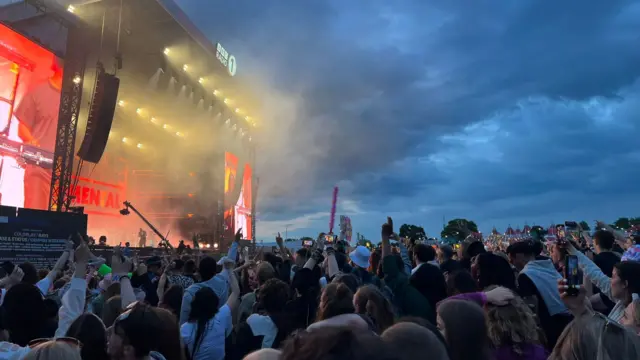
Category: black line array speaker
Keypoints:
(103, 107)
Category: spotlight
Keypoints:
(154, 120)
(77, 80)
(185, 67)
(249, 138)
(215, 245)
(71, 9)
(124, 139)
(166, 51)
(178, 133)
(139, 146)
(121, 103)
(247, 118)
(125, 211)
(237, 110)
(201, 80)
(216, 92)
(226, 101)
(165, 126)
(139, 111)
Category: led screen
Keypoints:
(238, 199)
(30, 83)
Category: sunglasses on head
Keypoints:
(67, 340)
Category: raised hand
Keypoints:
(16, 275)
(238, 235)
(279, 240)
(387, 229)
(499, 296)
(82, 253)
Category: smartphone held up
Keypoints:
(571, 274)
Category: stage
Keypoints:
(182, 142)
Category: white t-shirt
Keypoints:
(212, 345)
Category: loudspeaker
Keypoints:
(103, 107)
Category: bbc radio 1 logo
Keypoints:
(226, 59)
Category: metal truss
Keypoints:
(70, 101)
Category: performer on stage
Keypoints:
(142, 236)
(38, 116)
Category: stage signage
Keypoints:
(91, 196)
(37, 236)
(228, 60)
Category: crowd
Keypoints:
(330, 301)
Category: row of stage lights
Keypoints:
(201, 80)
(143, 113)
(217, 93)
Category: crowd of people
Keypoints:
(330, 301)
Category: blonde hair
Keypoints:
(512, 325)
(54, 350)
(596, 337)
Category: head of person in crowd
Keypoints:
(425, 324)
(272, 296)
(625, 281)
(405, 340)
(55, 350)
(272, 259)
(350, 280)
(25, 315)
(145, 332)
(513, 330)
(490, 269)
(302, 255)
(336, 299)
(190, 268)
(305, 290)
(360, 257)
(631, 317)
(208, 268)
(335, 343)
(154, 265)
(265, 272)
(111, 310)
(423, 254)
(463, 324)
(204, 307)
(30, 273)
(557, 254)
(91, 333)
(603, 241)
(444, 253)
(172, 299)
(460, 282)
(594, 337)
(369, 301)
(521, 253)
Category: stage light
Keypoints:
(124, 139)
(77, 80)
(178, 133)
(215, 245)
(185, 67)
(201, 80)
(154, 120)
(166, 51)
(226, 101)
(249, 138)
(121, 103)
(139, 146)
(189, 216)
(190, 195)
(237, 110)
(139, 111)
(71, 9)
(247, 118)
(165, 126)
(216, 92)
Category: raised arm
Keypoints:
(74, 299)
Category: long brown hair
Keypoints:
(336, 299)
(596, 338)
(335, 343)
(370, 301)
(465, 330)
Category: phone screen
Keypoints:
(307, 243)
(561, 232)
(571, 274)
(329, 238)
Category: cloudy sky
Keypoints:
(499, 112)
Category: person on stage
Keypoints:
(38, 116)
(142, 237)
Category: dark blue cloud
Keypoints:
(503, 113)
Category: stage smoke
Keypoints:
(153, 82)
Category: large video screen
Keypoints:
(30, 84)
(238, 200)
